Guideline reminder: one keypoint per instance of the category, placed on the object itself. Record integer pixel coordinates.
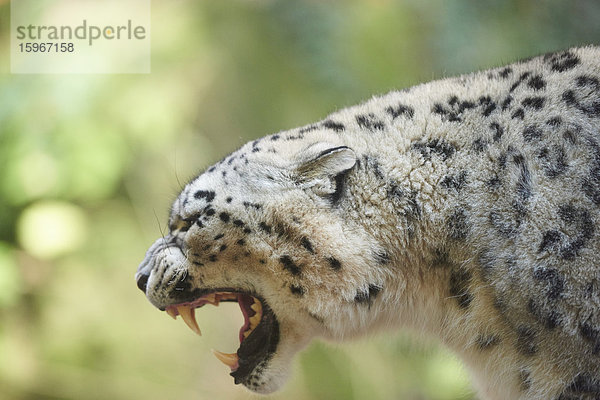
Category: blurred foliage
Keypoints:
(89, 165)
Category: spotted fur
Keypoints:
(466, 208)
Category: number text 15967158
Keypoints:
(46, 47)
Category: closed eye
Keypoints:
(184, 224)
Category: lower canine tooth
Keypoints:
(189, 317)
(231, 360)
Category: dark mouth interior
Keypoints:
(259, 335)
(259, 346)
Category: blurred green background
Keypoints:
(90, 163)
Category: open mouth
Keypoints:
(258, 336)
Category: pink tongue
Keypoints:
(245, 302)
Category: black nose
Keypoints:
(142, 280)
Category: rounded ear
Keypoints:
(322, 167)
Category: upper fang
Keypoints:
(189, 317)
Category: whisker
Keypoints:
(176, 175)
(161, 231)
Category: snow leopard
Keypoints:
(465, 209)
